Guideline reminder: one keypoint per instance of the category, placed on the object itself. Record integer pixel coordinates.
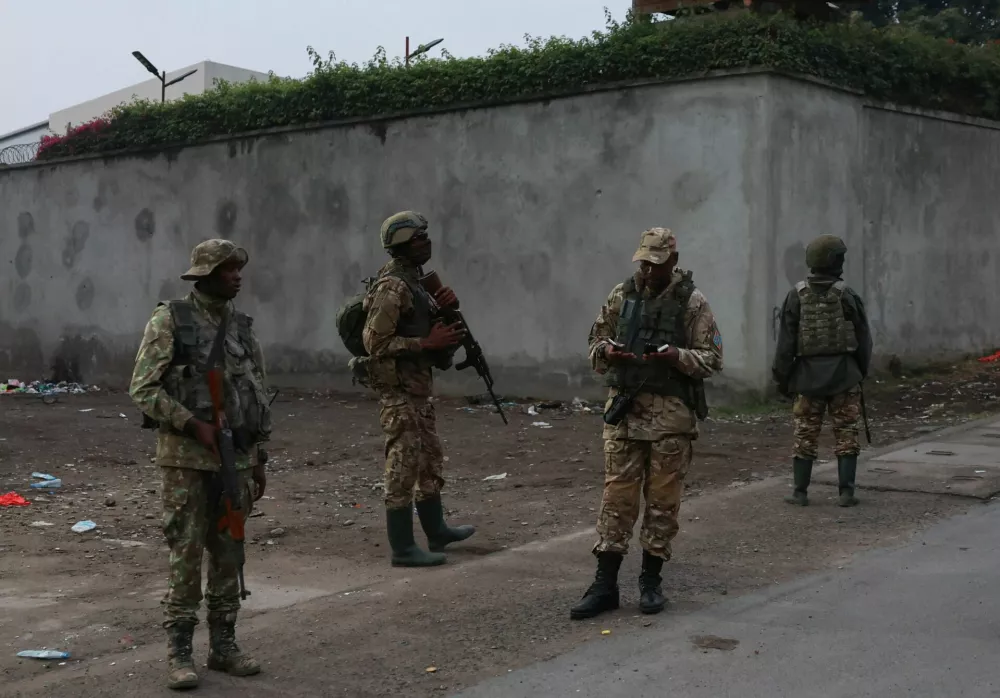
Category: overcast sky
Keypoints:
(63, 52)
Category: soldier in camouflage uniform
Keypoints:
(169, 386)
(405, 342)
(655, 340)
(823, 353)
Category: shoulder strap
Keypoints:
(185, 333)
(244, 323)
(215, 354)
(801, 286)
(685, 289)
(629, 286)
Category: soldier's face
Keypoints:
(226, 281)
(658, 275)
(420, 249)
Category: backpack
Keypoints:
(351, 318)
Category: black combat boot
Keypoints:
(180, 670)
(439, 533)
(847, 468)
(405, 552)
(802, 473)
(223, 652)
(603, 593)
(650, 590)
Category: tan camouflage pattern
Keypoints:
(206, 256)
(652, 416)
(844, 410)
(174, 449)
(413, 455)
(396, 364)
(190, 525)
(655, 246)
(657, 470)
(400, 227)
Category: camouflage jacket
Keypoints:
(174, 449)
(396, 364)
(654, 416)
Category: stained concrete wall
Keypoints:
(535, 208)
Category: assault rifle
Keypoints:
(473, 352)
(228, 482)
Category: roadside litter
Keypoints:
(43, 654)
(13, 499)
(83, 526)
(47, 482)
(15, 386)
(541, 425)
(492, 478)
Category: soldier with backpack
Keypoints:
(397, 339)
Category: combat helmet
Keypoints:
(825, 252)
(402, 226)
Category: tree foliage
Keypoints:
(895, 63)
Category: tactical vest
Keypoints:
(417, 322)
(246, 406)
(823, 327)
(652, 321)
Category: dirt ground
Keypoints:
(329, 613)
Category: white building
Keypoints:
(205, 77)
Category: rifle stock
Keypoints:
(473, 352)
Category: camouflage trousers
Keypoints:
(844, 410)
(190, 524)
(413, 455)
(653, 469)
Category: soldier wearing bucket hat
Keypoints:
(655, 342)
(169, 388)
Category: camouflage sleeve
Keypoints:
(704, 355)
(155, 354)
(389, 299)
(788, 332)
(604, 328)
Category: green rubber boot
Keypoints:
(439, 533)
(847, 468)
(180, 669)
(223, 653)
(405, 552)
(802, 474)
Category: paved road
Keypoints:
(918, 621)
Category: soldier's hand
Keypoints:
(613, 354)
(203, 432)
(670, 355)
(446, 298)
(443, 336)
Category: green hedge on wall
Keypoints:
(894, 64)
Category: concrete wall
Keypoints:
(535, 211)
(201, 81)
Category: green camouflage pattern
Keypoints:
(190, 518)
(655, 246)
(824, 329)
(822, 252)
(152, 395)
(844, 410)
(206, 256)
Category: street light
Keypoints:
(423, 48)
(162, 77)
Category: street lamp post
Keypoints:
(422, 48)
(162, 77)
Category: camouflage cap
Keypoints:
(400, 227)
(206, 256)
(656, 246)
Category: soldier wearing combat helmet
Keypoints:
(824, 351)
(655, 341)
(169, 386)
(405, 341)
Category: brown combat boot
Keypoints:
(181, 673)
(223, 653)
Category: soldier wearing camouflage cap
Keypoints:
(823, 354)
(405, 341)
(169, 387)
(655, 342)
